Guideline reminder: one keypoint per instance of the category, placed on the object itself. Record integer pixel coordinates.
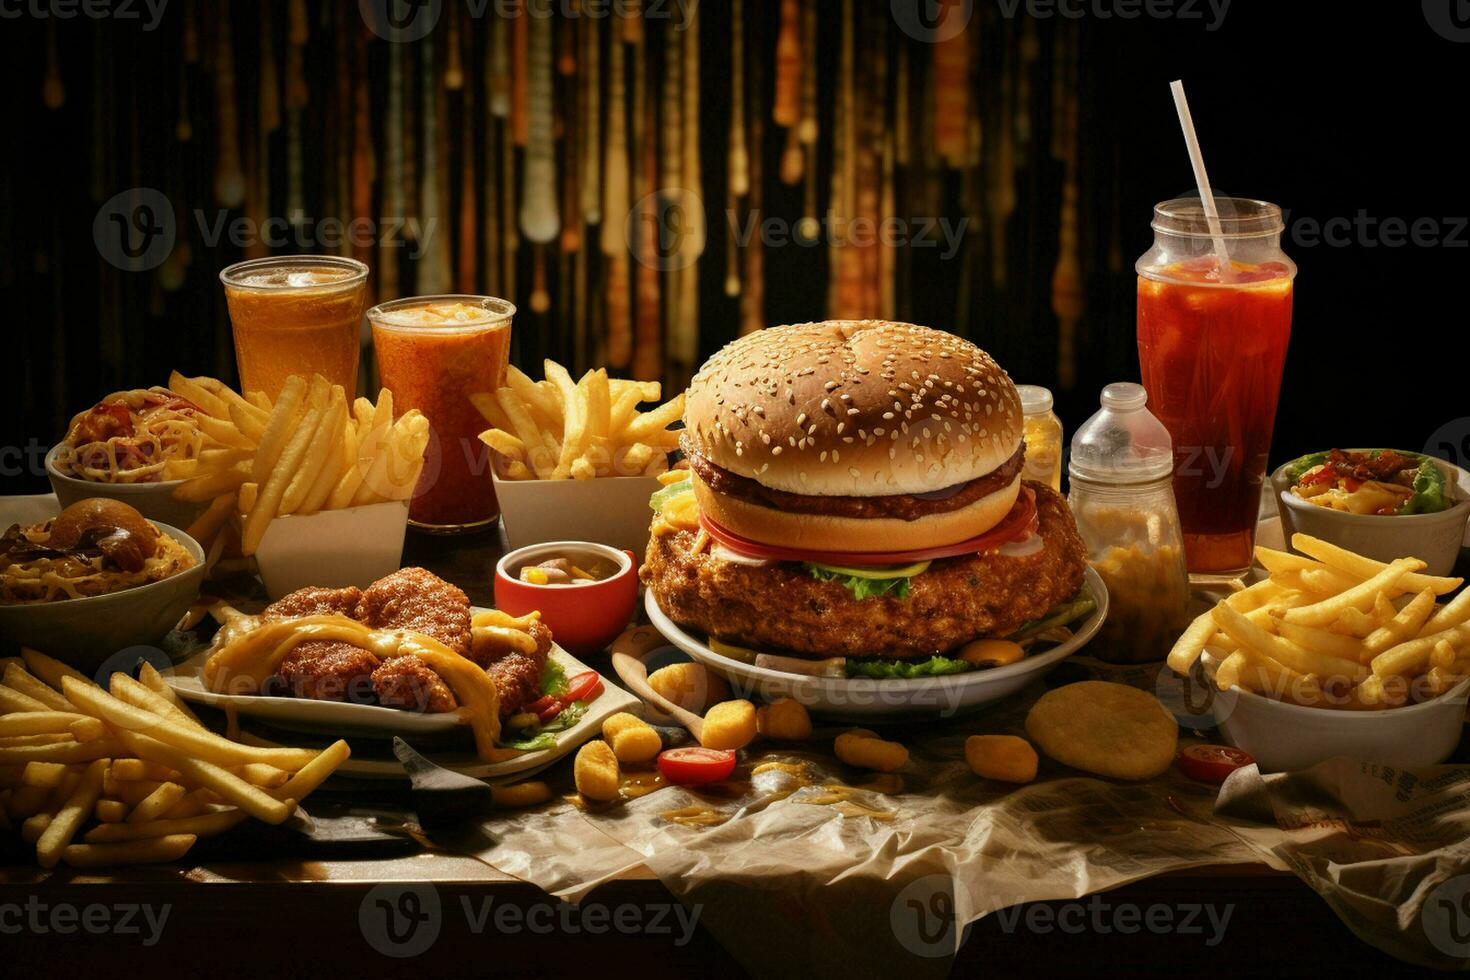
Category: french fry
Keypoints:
(1403, 625)
(574, 430)
(542, 449)
(207, 524)
(223, 431)
(252, 799)
(645, 425)
(205, 745)
(12, 700)
(136, 770)
(68, 752)
(157, 803)
(153, 850)
(69, 818)
(125, 689)
(279, 429)
(1322, 641)
(505, 444)
(1366, 568)
(37, 722)
(267, 506)
(1267, 676)
(150, 678)
(111, 811)
(1452, 613)
(1359, 597)
(47, 775)
(326, 437)
(19, 679)
(1253, 637)
(259, 774)
(1411, 656)
(204, 825)
(1191, 644)
(1255, 596)
(314, 773)
(50, 669)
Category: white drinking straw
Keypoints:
(1197, 161)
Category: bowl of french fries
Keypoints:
(1336, 654)
(318, 486)
(577, 459)
(100, 778)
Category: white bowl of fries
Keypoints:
(1336, 654)
(577, 460)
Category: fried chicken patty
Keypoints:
(322, 670)
(783, 606)
(517, 675)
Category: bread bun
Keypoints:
(855, 408)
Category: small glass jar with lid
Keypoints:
(1121, 494)
(1043, 436)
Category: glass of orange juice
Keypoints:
(296, 314)
(433, 353)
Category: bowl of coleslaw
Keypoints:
(1381, 503)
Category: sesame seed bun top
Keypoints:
(854, 408)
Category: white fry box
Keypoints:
(332, 548)
(612, 510)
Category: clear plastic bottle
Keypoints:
(1043, 436)
(1122, 497)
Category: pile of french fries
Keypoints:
(560, 429)
(307, 451)
(1335, 630)
(135, 763)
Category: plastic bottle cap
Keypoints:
(1123, 442)
(1035, 400)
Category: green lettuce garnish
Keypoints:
(863, 588)
(880, 669)
(1431, 492)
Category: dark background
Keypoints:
(1333, 112)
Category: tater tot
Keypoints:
(596, 771)
(864, 749)
(785, 719)
(1008, 758)
(728, 725)
(632, 739)
(689, 685)
(521, 794)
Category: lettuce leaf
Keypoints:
(553, 679)
(864, 588)
(880, 669)
(1430, 496)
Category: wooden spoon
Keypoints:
(629, 658)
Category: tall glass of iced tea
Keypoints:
(296, 314)
(1212, 340)
(434, 352)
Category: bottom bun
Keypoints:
(818, 532)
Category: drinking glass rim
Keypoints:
(497, 311)
(231, 274)
(1240, 217)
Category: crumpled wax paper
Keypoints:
(1387, 848)
(812, 866)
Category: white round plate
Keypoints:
(868, 699)
(441, 736)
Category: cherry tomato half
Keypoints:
(1211, 763)
(694, 765)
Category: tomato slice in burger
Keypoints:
(1212, 763)
(1020, 522)
(692, 766)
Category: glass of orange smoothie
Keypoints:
(433, 353)
(296, 314)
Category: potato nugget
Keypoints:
(1104, 728)
(521, 794)
(1009, 758)
(690, 685)
(632, 739)
(864, 749)
(785, 719)
(596, 771)
(728, 725)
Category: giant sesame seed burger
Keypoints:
(854, 489)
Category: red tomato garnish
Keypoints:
(1020, 522)
(1211, 763)
(581, 687)
(693, 765)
